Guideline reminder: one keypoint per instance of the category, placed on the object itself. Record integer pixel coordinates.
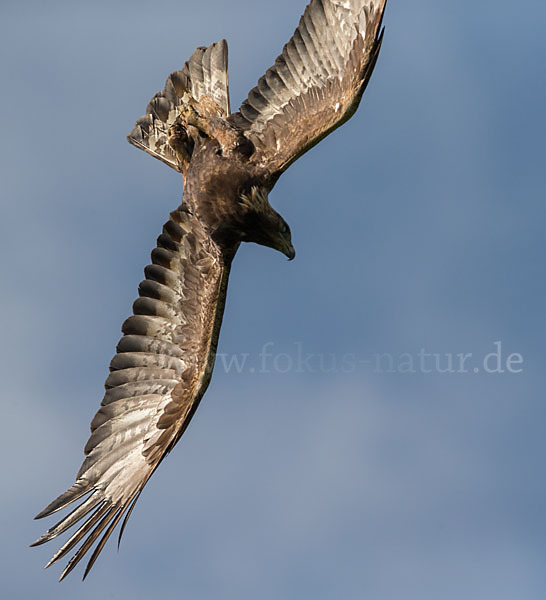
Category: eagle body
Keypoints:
(229, 197)
(229, 164)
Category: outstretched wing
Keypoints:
(205, 74)
(316, 83)
(160, 372)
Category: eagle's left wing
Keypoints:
(316, 83)
(158, 376)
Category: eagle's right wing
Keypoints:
(160, 372)
(205, 74)
(316, 83)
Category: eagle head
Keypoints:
(261, 224)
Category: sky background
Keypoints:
(418, 229)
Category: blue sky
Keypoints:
(418, 228)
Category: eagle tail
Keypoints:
(205, 74)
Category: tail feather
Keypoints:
(205, 74)
(208, 69)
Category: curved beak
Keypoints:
(290, 252)
(284, 245)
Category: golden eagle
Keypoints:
(229, 164)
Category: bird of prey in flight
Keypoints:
(229, 163)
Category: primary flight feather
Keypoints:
(229, 164)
